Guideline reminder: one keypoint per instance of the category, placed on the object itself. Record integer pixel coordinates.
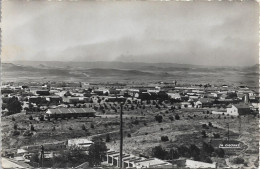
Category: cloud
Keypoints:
(180, 32)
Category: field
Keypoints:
(141, 131)
(128, 73)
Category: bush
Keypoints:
(70, 128)
(161, 129)
(53, 128)
(15, 133)
(13, 119)
(177, 117)
(238, 160)
(128, 135)
(204, 135)
(108, 138)
(210, 124)
(158, 118)
(159, 152)
(171, 118)
(92, 126)
(164, 138)
(83, 127)
(216, 135)
(32, 128)
(15, 126)
(220, 152)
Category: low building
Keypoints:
(70, 112)
(204, 102)
(131, 161)
(238, 109)
(82, 143)
(199, 164)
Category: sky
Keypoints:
(200, 33)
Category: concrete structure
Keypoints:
(199, 164)
(130, 161)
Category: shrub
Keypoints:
(161, 129)
(171, 118)
(15, 126)
(204, 135)
(13, 119)
(210, 124)
(164, 138)
(216, 135)
(32, 128)
(128, 135)
(204, 126)
(83, 127)
(238, 160)
(70, 128)
(220, 152)
(158, 118)
(15, 133)
(108, 138)
(136, 122)
(159, 152)
(53, 128)
(177, 117)
(92, 126)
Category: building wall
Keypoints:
(232, 111)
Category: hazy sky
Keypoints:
(214, 33)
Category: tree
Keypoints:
(194, 151)
(238, 160)
(171, 118)
(177, 117)
(15, 126)
(159, 152)
(14, 105)
(96, 151)
(34, 159)
(173, 154)
(92, 125)
(30, 117)
(164, 138)
(32, 128)
(207, 148)
(72, 157)
(83, 127)
(108, 138)
(220, 152)
(184, 151)
(158, 118)
(204, 135)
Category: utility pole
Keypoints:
(121, 137)
(228, 131)
(42, 155)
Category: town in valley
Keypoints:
(165, 124)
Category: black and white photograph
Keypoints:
(129, 84)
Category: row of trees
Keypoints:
(75, 156)
(199, 154)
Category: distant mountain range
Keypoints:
(129, 65)
(125, 71)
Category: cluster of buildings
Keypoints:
(235, 100)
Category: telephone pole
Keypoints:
(121, 137)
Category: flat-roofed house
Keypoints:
(70, 112)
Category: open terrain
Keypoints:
(128, 72)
